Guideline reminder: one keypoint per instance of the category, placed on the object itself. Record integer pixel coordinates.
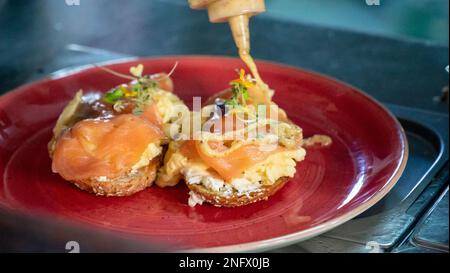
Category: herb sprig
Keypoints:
(138, 92)
(239, 88)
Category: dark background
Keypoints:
(407, 68)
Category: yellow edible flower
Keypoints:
(243, 80)
(128, 93)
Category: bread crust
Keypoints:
(122, 186)
(236, 200)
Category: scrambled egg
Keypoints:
(278, 165)
(152, 151)
(170, 173)
(171, 110)
(166, 103)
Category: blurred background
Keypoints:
(340, 38)
(415, 19)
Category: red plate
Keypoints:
(331, 186)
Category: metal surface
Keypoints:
(387, 222)
(432, 232)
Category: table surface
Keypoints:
(408, 73)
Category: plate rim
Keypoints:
(279, 241)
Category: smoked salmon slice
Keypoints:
(233, 164)
(103, 147)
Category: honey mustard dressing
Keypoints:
(318, 141)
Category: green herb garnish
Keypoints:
(239, 87)
(113, 96)
(139, 93)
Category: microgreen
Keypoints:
(139, 92)
(239, 88)
(137, 70)
(113, 96)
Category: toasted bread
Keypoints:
(237, 200)
(122, 186)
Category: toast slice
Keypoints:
(203, 194)
(122, 186)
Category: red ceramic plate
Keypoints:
(331, 186)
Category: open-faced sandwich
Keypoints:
(244, 152)
(112, 144)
